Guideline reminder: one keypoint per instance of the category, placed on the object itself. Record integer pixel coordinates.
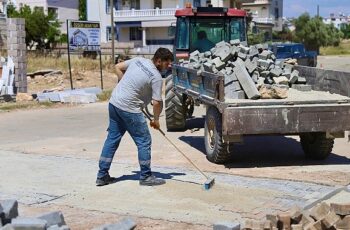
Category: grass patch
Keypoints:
(105, 95)
(10, 106)
(342, 49)
(38, 62)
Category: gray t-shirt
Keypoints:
(140, 84)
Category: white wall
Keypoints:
(96, 11)
(157, 33)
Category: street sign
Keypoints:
(84, 36)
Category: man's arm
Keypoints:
(157, 109)
(120, 69)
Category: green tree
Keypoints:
(41, 29)
(255, 38)
(345, 29)
(313, 33)
(82, 10)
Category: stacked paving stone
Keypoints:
(320, 217)
(16, 49)
(9, 219)
(246, 69)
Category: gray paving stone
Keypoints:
(225, 225)
(7, 227)
(301, 80)
(294, 76)
(10, 208)
(218, 63)
(244, 50)
(264, 63)
(242, 56)
(125, 224)
(235, 94)
(265, 55)
(245, 80)
(53, 218)
(28, 223)
(251, 66)
(276, 72)
(302, 87)
(235, 42)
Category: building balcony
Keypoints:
(256, 2)
(267, 21)
(144, 15)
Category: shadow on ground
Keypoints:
(136, 176)
(267, 151)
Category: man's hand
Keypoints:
(155, 124)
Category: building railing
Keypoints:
(263, 20)
(144, 13)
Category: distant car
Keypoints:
(296, 51)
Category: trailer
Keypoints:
(318, 116)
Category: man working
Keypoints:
(141, 84)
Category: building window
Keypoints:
(108, 3)
(109, 34)
(158, 4)
(135, 4)
(52, 11)
(135, 33)
(276, 13)
(196, 3)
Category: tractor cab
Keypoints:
(201, 28)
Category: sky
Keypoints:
(294, 8)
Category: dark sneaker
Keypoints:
(105, 180)
(152, 181)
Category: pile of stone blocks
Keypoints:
(76, 96)
(320, 217)
(247, 69)
(9, 219)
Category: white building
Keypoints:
(267, 15)
(63, 9)
(144, 23)
(339, 21)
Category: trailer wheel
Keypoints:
(175, 112)
(316, 145)
(217, 150)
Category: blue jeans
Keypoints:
(135, 123)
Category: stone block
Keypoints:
(264, 64)
(265, 74)
(296, 227)
(341, 209)
(284, 221)
(281, 80)
(10, 208)
(320, 211)
(265, 55)
(276, 72)
(53, 218)
(244, 49)
(294, 76)
(245, 80)
(302, 87)
(227, 226)
(254, 52)
(56, 227)
(242, 56)
(125, 224)
(251, 66)
(207, 54)
(27, 223)
(343, 223)
(218, 63)
(220, 44)
(235, 42)
(295, 212)
(208, 66)
(330, 219)
(224, 54)
(194, 53)
(232, 86)
(301, 80)
(234, 51)
(253, 224)
(235, 94)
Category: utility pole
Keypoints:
(112, 29)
